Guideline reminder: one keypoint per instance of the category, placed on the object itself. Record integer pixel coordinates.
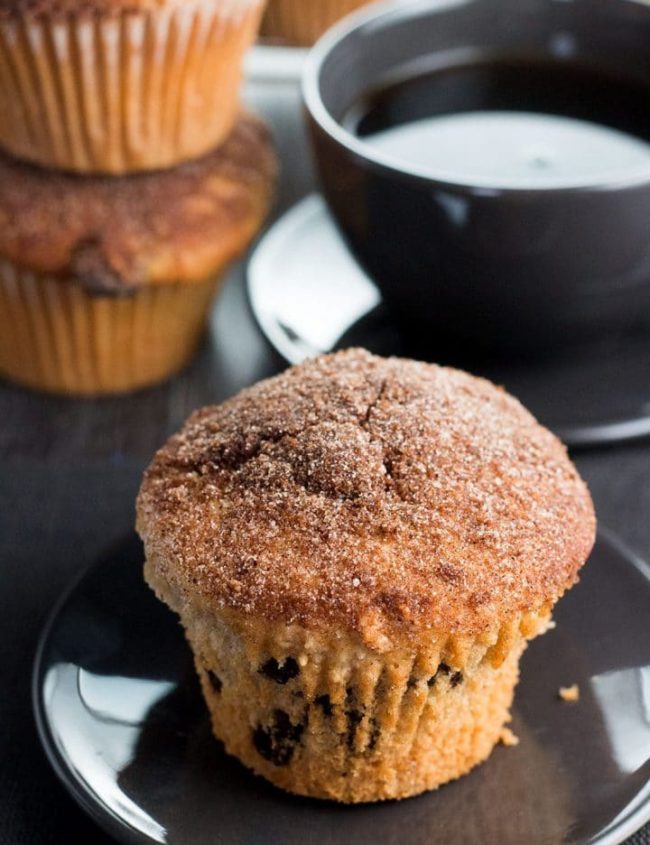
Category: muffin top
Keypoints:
(116, 234)
(381, 496)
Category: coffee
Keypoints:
(511, 123)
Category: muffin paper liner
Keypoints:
(124, 92)
(58, 337)
(302, 22)
(328, 717)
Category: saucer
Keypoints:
(309, 296)
(121, 718)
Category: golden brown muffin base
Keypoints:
(59, 338)
(302, 22)
(446, 733)
(322, 715)
(137, 89)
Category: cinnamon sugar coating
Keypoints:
(115, 234)
(387, 497)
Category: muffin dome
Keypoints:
(178, 225)
(386, 497)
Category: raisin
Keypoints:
(282, 672)
(374, 734)
(215, 681)
(354, 717)
(456, 678)
(325, 703)
(277, 742)
(443, 669)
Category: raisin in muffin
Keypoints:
(106, 282)
(359, 550)
(117, 86)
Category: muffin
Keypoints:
(106, 283)
(115, 86)
(359, 550)
(302, 22)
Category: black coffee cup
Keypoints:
(496, 266)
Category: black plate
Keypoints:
(121, 718)
(309, 296)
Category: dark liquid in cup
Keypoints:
(521, 122)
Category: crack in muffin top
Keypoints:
(383, 496)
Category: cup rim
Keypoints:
(319, 113)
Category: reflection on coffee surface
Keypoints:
(526, 124)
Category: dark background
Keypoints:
(69, 473)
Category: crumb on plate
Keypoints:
(508, 738)
(569, 694)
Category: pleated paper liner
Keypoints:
(302, 22)
(59, 338)
(329, 717)
(125, 92)
(355, 728)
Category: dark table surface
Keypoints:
(69, 473)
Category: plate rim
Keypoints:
(624, 430)
(307, 206)
(616, 833)
(111, 823)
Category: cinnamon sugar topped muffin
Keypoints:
(146, 229)
(106, 284)
(359, 550)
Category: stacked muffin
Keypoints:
(129, 179)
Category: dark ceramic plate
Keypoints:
(121, 718)
(309, 296)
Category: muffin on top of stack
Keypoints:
(129, 178)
